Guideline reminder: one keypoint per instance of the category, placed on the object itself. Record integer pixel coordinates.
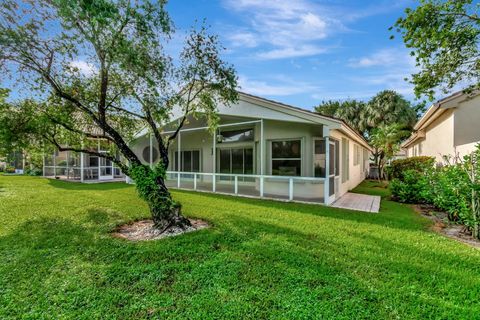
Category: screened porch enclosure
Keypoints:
(249, 157)
(82, 167)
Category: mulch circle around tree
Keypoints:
(443, 226)
(144, 230)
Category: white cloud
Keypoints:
(83, 67)
(289, 52)
(286, 28)
(243, 39)
(278, 86)
(384, 57)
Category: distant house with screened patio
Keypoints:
(261, 148)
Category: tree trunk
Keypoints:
(150, 184)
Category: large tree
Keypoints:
(99, 69)
(388, 108)
(444, 38)
(350, 111)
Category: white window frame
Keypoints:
(271, 159)
(175, 162)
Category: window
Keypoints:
(345, 160)
(146, 154)
(420, 149)
(356, 154)
(286, 158)
(365, 159)
(189, 161)
(236, 161)
(237, 135)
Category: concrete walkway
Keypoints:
(359, 202)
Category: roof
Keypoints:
(349, 130)
(333, 122)
(435, 111)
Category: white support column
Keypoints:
(68, 167)
(262, 149)
(194, 181)
(214, 162)
(236, 184)
(43, 157)
(82, 166)
(54, 165)
(261, 186)
(326, 184)
(151, 151)
(290, 189)
(99, 160)
(179, 157)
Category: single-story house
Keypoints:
(449, 128)
(261, 148)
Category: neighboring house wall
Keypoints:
(438, 139)
(453, 132)
(466, 124)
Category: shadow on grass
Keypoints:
(70, 185)
(266, 269)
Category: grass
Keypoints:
(261, 259)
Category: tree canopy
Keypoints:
(385, 108)
(444, 38)
(101, 70)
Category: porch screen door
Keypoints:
(106, 169)
(320, 162)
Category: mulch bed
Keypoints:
(443, 226)
(143, 230)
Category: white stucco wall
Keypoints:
(466, 126)
(438, 139)
(357, 173)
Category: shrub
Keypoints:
(419, 164)
(33, 172)
(10, 169)
(452, 194)
(412, 187)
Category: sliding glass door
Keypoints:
(235, 161)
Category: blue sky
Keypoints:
(304, 51)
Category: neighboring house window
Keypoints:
(286, 158)
(236, 135)
(345, 160)
(420, 149)
(356, 154)
(189, 161)
(236, 161)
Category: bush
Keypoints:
(33, 172)
(412, 187)
(419, 164)
(451, 193)
(10, 169)
(448, 188)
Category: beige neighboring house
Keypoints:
(450, 127)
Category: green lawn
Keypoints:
(261, 259)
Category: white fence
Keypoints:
(307, 189)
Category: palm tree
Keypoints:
(386, 140)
